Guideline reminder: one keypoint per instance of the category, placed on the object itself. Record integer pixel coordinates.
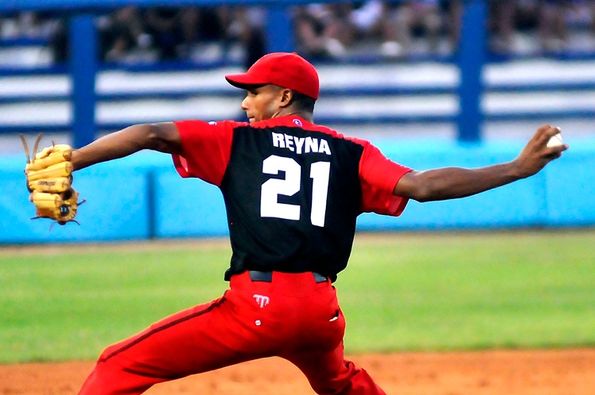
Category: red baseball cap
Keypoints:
(285, 69)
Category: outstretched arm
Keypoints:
(453, 182)
(163, 137)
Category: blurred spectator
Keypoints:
(502, 24)
(122, 33)
(58, 42)
(454, 13)
(537, 26)
(321, 30)
(161, 24)
(418, 18)
(310, 32)
(26, 25)
(246, 26)
(202, 25)
(579, 17)
(334, 30)
(372, 20)
(552, 29)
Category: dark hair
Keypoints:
(303, 102)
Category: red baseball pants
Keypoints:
(292, 317)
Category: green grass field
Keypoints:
(439, 291)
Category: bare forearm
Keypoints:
(453, 182)
(159, 137)
(112, 146)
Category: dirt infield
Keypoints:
(560, 372)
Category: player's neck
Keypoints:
(287, 111)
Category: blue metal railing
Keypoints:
(471, 60)
(83, 66)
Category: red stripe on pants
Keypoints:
(292, 317)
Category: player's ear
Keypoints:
(285, 97)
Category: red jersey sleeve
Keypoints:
(378, 177)
(206, 148)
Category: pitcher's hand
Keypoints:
(536, 153)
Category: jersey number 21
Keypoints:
(290, 185)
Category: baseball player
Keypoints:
(292, 190)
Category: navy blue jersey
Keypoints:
(292, 189)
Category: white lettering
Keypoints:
(278, 140)
(324, 148)
(301, 145)
(311, 144)
(289, 142)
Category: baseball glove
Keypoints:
(49, 179)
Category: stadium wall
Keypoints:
(142, 197)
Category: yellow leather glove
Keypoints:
(49, 179)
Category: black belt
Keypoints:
(267, 277)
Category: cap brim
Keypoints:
(243, 81)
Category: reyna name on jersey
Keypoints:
(301, 145)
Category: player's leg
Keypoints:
(330, 374)
(321, 357)
(196, 340)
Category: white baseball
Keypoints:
(555, 141)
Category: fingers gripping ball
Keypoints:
(49, 179)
